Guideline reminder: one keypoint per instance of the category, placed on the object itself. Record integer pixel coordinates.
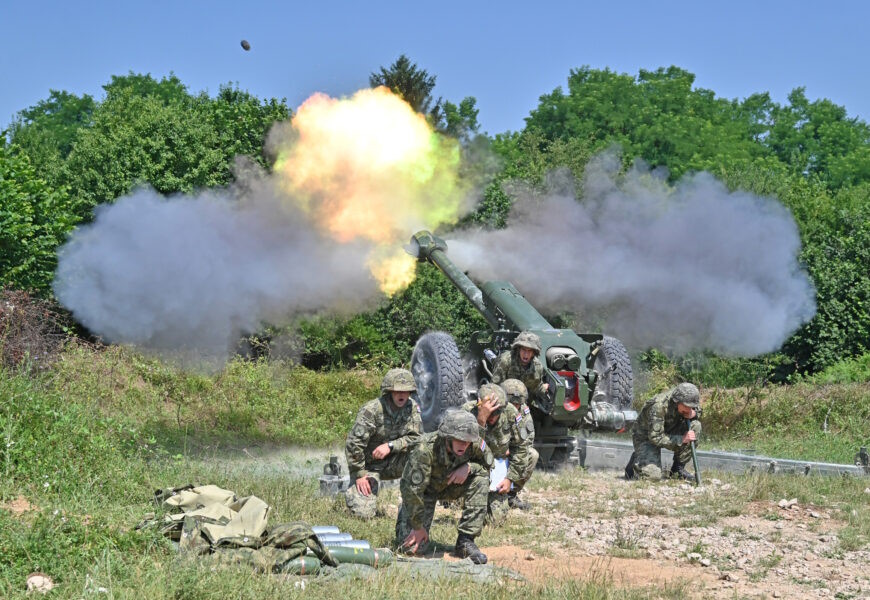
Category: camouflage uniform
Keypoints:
(658, 426)
(508, 366)
(424, 482)
(506, 437)
(517, 394)
(378, 422)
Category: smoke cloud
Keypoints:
(690, 267)
(353, 179)
(188, 275)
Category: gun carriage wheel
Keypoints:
(437, 368)
(615, 378)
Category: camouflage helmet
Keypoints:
(398, 380)
(515, 390)
(688, 394)
(459, 425)
(527, 339)
(494, 389)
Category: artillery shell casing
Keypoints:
(334, 537)
(318, 529)
(362, 556)
(304, 565)
(348, 544)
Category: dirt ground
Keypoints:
(648, 535)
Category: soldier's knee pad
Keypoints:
(363, 507)
(648, 472)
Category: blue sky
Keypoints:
(506, 54)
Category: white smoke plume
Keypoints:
(683, 268)
(189, 274)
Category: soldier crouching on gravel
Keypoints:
(517, 395)
(380, 440)
(522, 363)
(499, 424)
(668, 420)
(447, 464)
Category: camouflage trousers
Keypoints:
(527, 472)
(365, 507)
(498, 503)
(647, 457)
(474, 493)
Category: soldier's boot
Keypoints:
(465, 547)
(629, 468)
(678, 471)
(515, 502)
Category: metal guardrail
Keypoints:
(607, 454)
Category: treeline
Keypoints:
(67, 155)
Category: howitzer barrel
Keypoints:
(511, 308)
(433, 248)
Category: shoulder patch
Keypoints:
(525, 409)
(483, 445)
(417, 476)
(359, 430)
(519, 418)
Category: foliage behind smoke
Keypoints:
(191, 274)
(690, 267)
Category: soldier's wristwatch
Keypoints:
(390, 445)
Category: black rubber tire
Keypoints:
(616, 384)
(437, 368)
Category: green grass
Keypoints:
(88, 441)
(804, 421)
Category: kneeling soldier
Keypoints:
(381, 438)
(447, 464)
(499, 426)
(668, 420)
(517, 395)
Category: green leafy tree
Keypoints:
(818, 138)
(836, 250)
(242, 121)
(835, 239)
(137, 140)
(460, 121)
(412, 84)
(170, 140)
(34, 221)
(167, 90)
(657, 116)
(47, 131)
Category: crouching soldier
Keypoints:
(499, 424)
(448, 464)
(668, 420)
(517, 395)
(522, 363)
(380, 440)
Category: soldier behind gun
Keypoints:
(380, 440)
(449, 464)
(668, 420)
(522, 363)
(500, 425)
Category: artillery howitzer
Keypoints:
(589, 375)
